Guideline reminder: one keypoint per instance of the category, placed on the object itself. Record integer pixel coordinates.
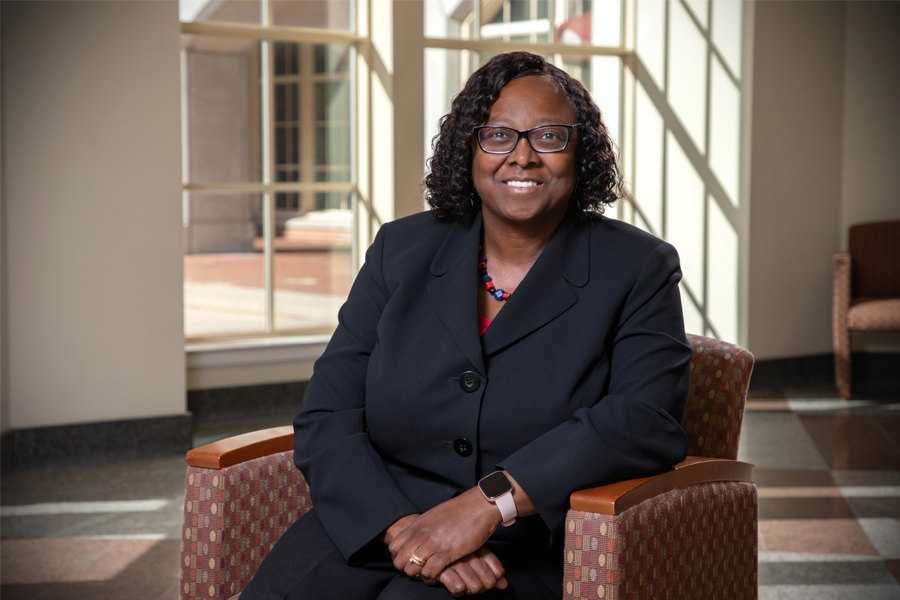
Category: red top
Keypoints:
(482, 324)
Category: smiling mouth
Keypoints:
(522, 184)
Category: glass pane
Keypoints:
(684, 212)
(222, 102)
(639, 222)
(227, 11)
(312, 138)
(286, 58)
(576, 22)
(693, 319)
(333, 99)
(518, 21)
(333, 146)
(313, 270)
(603, 78)
(651, 38)
(648, 169)
(724, 132)
(448, 19)
(614, 211)
(224, 270)
(524, 20)
(606, 23)
(687, 74)
(722, 281)
(332, 96)
(321, 14)
(726, 32)
(332, 58)
(700, 10)
(446, 72)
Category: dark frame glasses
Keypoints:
(533, 135)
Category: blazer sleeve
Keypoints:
(355, 496)
(634, 428)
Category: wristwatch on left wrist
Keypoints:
(497, 489)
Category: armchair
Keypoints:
(688, 533)
(866, 290)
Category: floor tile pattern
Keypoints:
(828, 473)
(829, 509)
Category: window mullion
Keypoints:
(308, 132)
(266, 102)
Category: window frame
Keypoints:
(268, 35)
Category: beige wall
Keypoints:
(871, 157)
(91, 148)
(4, 352)
(409, 98)
(871, 154)
(825, 145)
(795, 181)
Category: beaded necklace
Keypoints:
(498, 295)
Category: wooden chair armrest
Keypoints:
(241, 448)
(614, 498)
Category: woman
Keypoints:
(511, 336)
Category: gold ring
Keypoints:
(416, 560)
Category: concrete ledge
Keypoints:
(95, 443)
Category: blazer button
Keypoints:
(463, 447)
(469, 381)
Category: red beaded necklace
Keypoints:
(498, 295)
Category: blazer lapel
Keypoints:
(453, 287)
(547, 290)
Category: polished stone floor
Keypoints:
(828, 473)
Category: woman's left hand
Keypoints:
(476, 573)
(445, 534)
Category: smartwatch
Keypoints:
(497, 489)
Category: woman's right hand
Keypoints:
(473, 574)
(387, 536)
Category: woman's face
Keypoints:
(524, 186)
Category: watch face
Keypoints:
(495, 484)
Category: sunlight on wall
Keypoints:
(687, 149)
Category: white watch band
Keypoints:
(507, 507)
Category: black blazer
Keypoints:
(581, 379)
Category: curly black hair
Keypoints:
(449, 189)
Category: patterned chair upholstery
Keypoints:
(689, 533)
(866, 290)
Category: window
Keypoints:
(685, 94)
(289, 143)
(667, 77)
(269, 173)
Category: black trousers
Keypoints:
(305, 565)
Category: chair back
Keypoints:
(875, 251)
(720, 375)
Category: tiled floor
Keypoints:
(828, 473)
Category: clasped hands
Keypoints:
(450, 540)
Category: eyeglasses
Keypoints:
(503, 140)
